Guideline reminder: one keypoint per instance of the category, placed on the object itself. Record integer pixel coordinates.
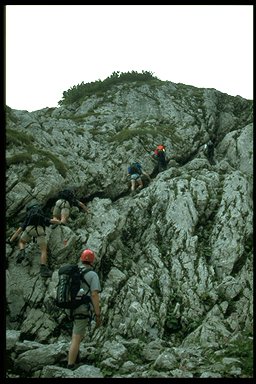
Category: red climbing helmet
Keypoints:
(87, 256)
(161, 147)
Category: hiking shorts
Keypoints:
(80, 326)
(37, 232)
(61, 206)
(135, 176)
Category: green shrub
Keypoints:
(80, 91)
(23, 158)
(26, 157)
(59, 165)
(242, 349)
(17, 137)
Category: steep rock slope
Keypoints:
(175, 260)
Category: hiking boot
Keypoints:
(78, 358)
(21, 256)
(71, 366)
(45, 271)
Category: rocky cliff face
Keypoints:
(175, 260)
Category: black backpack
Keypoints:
(35, 215)
(69, 284)
(67, 194)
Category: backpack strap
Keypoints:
(33, 227)
(63, 203)
(82, 273)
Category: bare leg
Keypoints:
(74, 348)
(21, 254)
(64, 215)
(43, 249)
(56, 213)
(22, 244)
(133, 185)
(140, 184)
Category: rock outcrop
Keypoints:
(175, 260)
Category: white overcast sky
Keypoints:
(51, 48)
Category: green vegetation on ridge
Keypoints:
(78, 92)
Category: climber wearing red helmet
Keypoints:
(159, 157)
(90, 286)
(87, 256)
(160, 148)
